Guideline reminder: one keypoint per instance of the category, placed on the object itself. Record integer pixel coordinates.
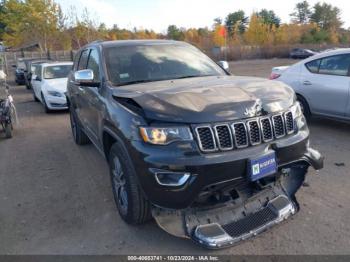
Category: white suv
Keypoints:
(49, 81)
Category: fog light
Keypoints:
(168, 178)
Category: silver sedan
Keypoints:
(321, 82)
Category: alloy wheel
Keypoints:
(119, 185)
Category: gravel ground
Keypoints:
(55, 197)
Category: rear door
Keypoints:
(325, 83)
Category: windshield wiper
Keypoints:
(135, 82)
(161, 79)
(191, 76)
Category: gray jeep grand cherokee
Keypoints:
(210, 156)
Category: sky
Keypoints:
(158, 14)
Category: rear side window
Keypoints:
(338, 65)
(313, 66)
(335, 65)
(83, 59)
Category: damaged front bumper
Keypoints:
(227, 223)
(214, 235)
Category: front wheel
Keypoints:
(80, 138)
(35, 98)
(47, 109)
(133, 207)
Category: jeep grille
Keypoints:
(251, 132)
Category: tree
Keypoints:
(2, 24)
(219, 35)
(217, 21)
(302, 13)
(326, 16)
(258, 32)
(269, 17)
(236, 20)
(175, 33)
(30, 21)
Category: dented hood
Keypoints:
(206, 99)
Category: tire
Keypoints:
(8, 130)
(35, 98)
(79, 137)
(304, 107)
(47, 109)
(132, 206)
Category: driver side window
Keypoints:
(37, 71)
(93, 64)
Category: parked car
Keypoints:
(19, 72)
(321, 82)
(28, 70)
(212, 157)
(49, 82)
(301, 53)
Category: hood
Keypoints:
(57, 84)
(206, 99)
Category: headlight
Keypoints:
(165, 135)
(54, 93)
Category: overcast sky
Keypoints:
(158, 14)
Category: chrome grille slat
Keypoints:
(206, 138)
(240, 135)
(278, 125)
(254, 132)
(227, 136)
(224, 137)
(266, 129)
(289, 121)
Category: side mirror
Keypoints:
(224, 65)
(37, 78)
(85, 78)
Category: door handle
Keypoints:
(307, 83)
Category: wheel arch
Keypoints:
(109, 137)
(300, 96)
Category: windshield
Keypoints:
(146, 63)
(57, 71)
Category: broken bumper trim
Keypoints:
(216, 236)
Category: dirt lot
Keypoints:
(55, 197)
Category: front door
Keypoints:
(36, 80)
(93, 97)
